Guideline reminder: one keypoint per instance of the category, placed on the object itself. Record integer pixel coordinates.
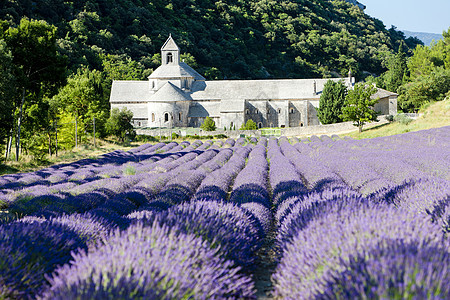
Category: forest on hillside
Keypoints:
(223, 39)
(58, 58)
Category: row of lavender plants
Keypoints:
(350, 219)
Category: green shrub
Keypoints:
(402, 119)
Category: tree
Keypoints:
(358, 105)
(397, 67)
(208, 124)
(119, 124)
(331, 102)
(38, 67)
(7, 93)
(83, 97)
(250, 125)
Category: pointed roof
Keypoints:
(170, 45)
(175, 71)
(170, 93)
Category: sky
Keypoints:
(431, 16)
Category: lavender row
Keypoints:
(356, 249)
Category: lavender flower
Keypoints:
(152, 262)
(317, 251)
(392, 270)
(28, 251)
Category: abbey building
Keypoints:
(175, 95)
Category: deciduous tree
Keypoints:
(358, 105)
(119, 123)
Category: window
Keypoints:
(153, 85)
(259, 125)
(169, 58)
(291, 110)
(139, 124)
(179, 116)
(279, 110)
(247, 111)
(153, 117)
(166, 117)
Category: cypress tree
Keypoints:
(331, 102)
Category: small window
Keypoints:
(153, 117)
(279, 110)
(139, 124)
(291, 110)
(153, 85)
(179, 116)
(247, 111)
(166, 117)
(169, 58)
(259, 125)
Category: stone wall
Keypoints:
(293, 131)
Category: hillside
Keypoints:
(222, 39)
(426, 37)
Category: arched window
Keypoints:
(179, 116)
(247, 111)
(153, 117)
(279, 110)
(259, 125)
(166, 117)
(291, 110)
(169, 58)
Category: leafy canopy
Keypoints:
(358, 105)
(119, 124)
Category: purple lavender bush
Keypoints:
(28, 251)
(392, 270)
(317, 252)
(224, 225)
(154, 262)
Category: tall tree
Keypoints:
(331, 102)
(83, 98)
(396, 70)
(39, 69)
(358, 105)
(7, 93)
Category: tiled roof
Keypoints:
(175, 71)
(129, 90)
(169, 93)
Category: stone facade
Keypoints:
(175, 95)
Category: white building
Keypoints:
(176, 95)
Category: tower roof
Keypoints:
(170, 45)
(170, 93)
(175, 71)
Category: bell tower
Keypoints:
(170, 53)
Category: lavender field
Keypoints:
(336, 218)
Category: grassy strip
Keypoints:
(28, 164)
(434, 115)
